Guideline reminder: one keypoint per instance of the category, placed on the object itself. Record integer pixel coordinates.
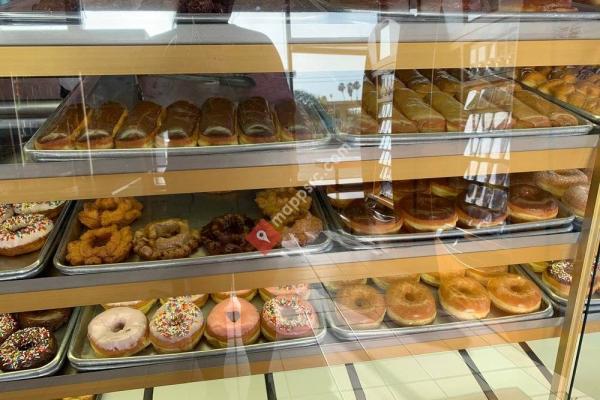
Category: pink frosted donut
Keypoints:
(301, 290)
(233, 321)
(288, 317)
(118, 332)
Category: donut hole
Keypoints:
(118, 327)
(233, 316)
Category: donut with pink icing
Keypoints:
(22, 234)
(118, 332)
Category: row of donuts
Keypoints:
(27, 339)
(24, 227)
(109, 237)
(430, 205)
(465, 295)
(178, 325)
(558, 275)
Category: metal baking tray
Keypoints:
(82, 357)
(198, 209)
(63, 337)
(31, 264)
(127, 91)
(443, 321)
(563, 222)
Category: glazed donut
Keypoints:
(49, 319)
(166, 239)
(448, 187)
(481, 207)
(6, 211)
(27, 348)
(575, 199)
(288, 317)
(8, 325)
(383, 282)
(246, 294)
(340, 196)
(558, 276)
(425, 213)
(141, 305)
(101, 246)
(530, 203)
(484, 274)
(110, 211)
(368, 217)
(198, 299)
(514, 294)
(557, 182)
(409, 303)
(435, 278)
(538, 266)
(118, 332)
(232, 322)
(464, 298)
(23, 234)
(301, 290)
(176, 326)
(227, 234)
(334, 286)
(50, 209)
(360, 307)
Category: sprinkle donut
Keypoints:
(50, 209)
(22, 234)
(27, 348)
(176, 326)
(288, 317)
(6, 211)
(8, 325)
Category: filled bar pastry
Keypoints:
(217, 122)
(414, 80)
(558, 116)
(102, 127)
(64, 129)
(450, 108)
(180, 128)
(140, 127)
(415, 109)
(526, 116)
(293, 121)
(255, 121)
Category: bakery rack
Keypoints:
(219, 48)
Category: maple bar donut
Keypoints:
(176, 326)
(288, 317)
(142, 305)
(383, 282)
(246, 294)
(514, 294)
(484, 274)
(557, 182)
(410, 303)
(27, 348)
(301, 290)
(426, 213)
(49, 319)
(232, 322)
(530, 203)
(464, 298)
(50, 209)
(118, 332)
(360, 307)
(23, 234)
(198, 299)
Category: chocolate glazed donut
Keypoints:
(424, 213)
(481, 206)
(530, 203)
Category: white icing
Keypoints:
(20, 230)
(101, 329)
(36, 207)
(6, 211)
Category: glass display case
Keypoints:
(299, 199)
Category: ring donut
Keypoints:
(23, 234)
(360, 306)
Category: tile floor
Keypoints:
(503, 372)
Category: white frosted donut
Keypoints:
(37, 207)
(118, 332)
(22, 234)
(6, 211)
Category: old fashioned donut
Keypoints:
(448, 187)
(383, 282)
(301, 290)
(410, 303)
(530, 203)
(27, 348)
(557, 182)
(165, 240)
(50, 209)
(23, 234)
(484, 274)
(481, 207)
(120, 211)
(360, 307)
(514, 294)
(118, 332)
(246, 294)
(333, 286)
(142, 305)
(464, 298)
(176, 326)
(105, 245)
(232, 322)
(303, 231)
(49, 319)
(288, 317)
(8, 325)
(227, 234)
(275, 203)
(6, 211)
(198, 299)
(575, 199)
(368, 217)
(425, 213)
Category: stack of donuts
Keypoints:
(180, 323)
(27, 339)
(558, 276)
(24, 227)
(465, 295)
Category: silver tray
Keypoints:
(442, 322)
(563, 222)
(31, 264)
(63, 337)
(83, 358)
(198, 209)
(126, 90)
